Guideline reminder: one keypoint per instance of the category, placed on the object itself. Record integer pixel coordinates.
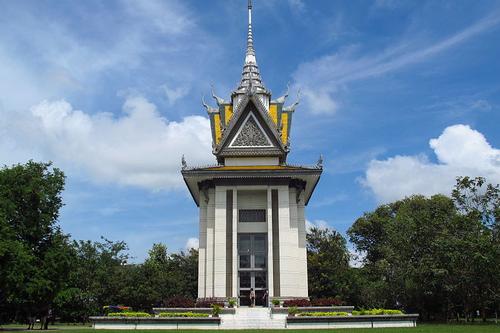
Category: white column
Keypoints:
(302, 250)
(235, 241)
(209, 267)
(287, 250)
(270, 275)
(220, 242)
(202, 250)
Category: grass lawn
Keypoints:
(422, 328)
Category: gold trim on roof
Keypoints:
(218, 132)
(228, 112)
(284, 129)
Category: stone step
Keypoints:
(252, 318)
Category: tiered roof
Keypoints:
(270, 121)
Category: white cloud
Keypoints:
(322, 78)
(98, 48)
(297, 6)
(320, 224)
(174, 94)
(460, 151)
(169, 17)
(192, 243)
(139, 147)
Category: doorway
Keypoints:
(252, 267)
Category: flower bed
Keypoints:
(322, 314)
(129, 314)
(300, 302)
(183, 314)
(326, 301)
(179, 302)
(377, 312)
(372, 312)
(209, 301)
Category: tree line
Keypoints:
(437, 256)
(44, 274)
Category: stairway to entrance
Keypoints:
(255, 318)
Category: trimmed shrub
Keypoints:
(208, 302)
(184, 314)
(327, 301)
(179, 302)
(216, 310)
(377, 312)
(297, 302)
(275, 302)
(129, 314)
(232, 302)
(292, 311)
(323, 314)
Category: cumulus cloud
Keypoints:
(139, 147)
(192, 243)
(460, 151)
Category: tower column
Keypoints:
(270, 276)
(220, 242)
(209, 262)
(235, 242)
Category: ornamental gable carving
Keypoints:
(251, 135)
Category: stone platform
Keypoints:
(255, 318)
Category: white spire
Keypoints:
(250, 78)
(250, 55)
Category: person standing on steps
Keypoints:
(265, 298)
(252, 297)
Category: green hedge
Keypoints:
(322, 314)
(129, 314)
(376, 312)
(372, 312)
(183, 314)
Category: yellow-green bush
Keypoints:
(183, 314)
(376, 312)
(322, 314)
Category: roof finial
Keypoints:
(250, 55)
(250, 76)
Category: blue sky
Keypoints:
(399, 96)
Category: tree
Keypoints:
(479, 205)
(438, 256)
(97, 278)
(327, 264)
(34, 253)
(404, 262)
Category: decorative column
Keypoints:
(270, 285)
(220, 242)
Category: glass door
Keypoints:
(252, 267)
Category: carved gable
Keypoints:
(251, 134)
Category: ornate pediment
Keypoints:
(251, 134)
